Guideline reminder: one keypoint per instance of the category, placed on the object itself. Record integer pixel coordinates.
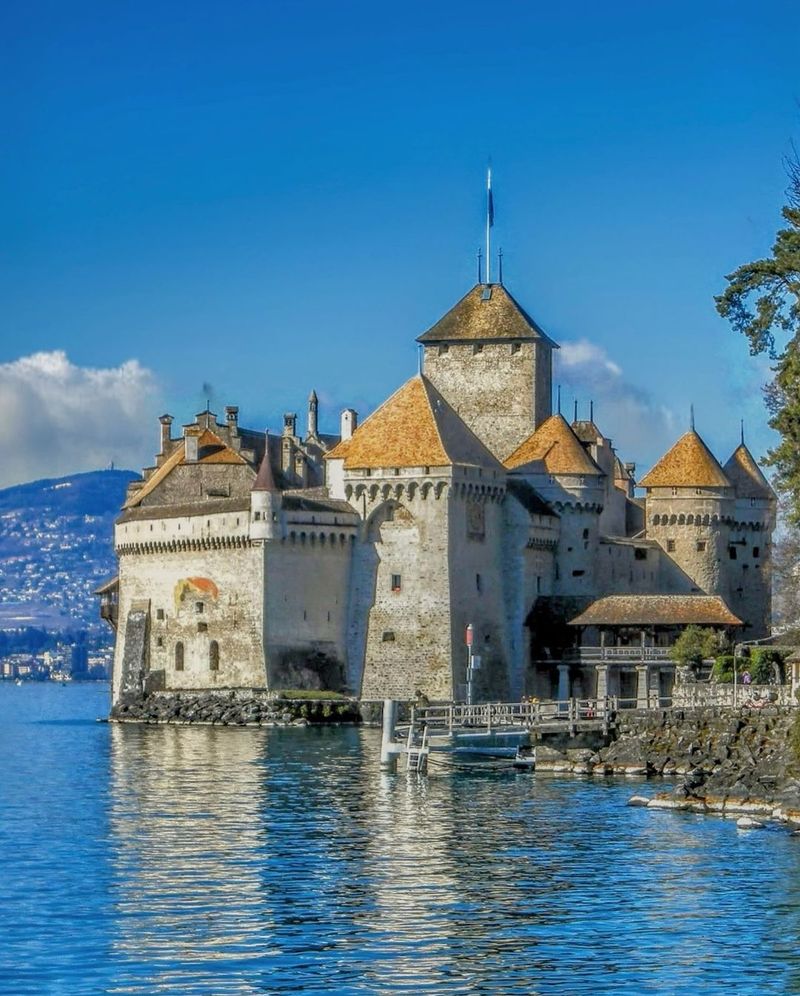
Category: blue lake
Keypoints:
(197, 860)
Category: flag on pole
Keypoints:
(489, 198)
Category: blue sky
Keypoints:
(253, 199)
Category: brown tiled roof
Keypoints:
(657, 610)
(689, 464)
(210, 449)
(745, 475)
(210, 507)
(415, 427)
(486, 312)
(556, 447)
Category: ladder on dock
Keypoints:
(417, 754)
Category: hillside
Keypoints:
(56, 547)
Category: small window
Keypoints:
(388, 636)
(640, 553)
(752, 503)
(756, 551)
(477, 348)
(397, 582)
(732, 552)
(578, 574)
(257, 516)
(538, 585)
(179, 656)
(159, 614)
(199, 608)
(478, 583)
(674, 492)
(213, 656)
(701, 546)
(698, 491)
(159, 641)
(670, 546)
(515, 347)
(202, 627)
(443, 349)
(586, 534)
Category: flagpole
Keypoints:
(488, 224)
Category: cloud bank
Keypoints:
(57, 418)
(641, 428)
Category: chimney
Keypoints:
(166, 422)
(349, 423)
(313, 408)
(191, 440)
(232, 416)
(290, 424)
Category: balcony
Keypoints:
(620, 655)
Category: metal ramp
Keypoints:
(417, 753)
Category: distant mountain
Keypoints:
(56, 546)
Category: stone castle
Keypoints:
(356, 562)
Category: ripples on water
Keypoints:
(197, 860)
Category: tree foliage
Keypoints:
(695, 645)
(762, 301)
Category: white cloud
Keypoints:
(641, 428)
(58, 418)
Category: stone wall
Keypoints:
(239, 707)
(196, 596)
(500, 389)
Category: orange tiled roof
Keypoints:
(210, 449)
(689, 464)
(486, 312)
(556, 447)
(657, 610)
(745, 475)
(415, 427)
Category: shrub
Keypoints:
(723, 669)
(794, 736)
(766, 666)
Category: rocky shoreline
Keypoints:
(729, 762)
(235, 708)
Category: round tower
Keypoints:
(750, 543)
(689, 510)
(265, 501)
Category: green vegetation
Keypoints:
(766, 666)
(762, 300)
(695, 645)
(794, 736)
(722, 671)
(313, 694)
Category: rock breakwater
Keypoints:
(727, 761)
(235, 708)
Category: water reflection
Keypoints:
(268, 861)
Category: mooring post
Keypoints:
(388, 745)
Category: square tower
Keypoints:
(493, 364)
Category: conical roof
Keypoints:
(486, 312)
(689, 464)
(265, 478)
(557, 447)
(415, 427)
(745, 475)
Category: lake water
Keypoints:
(198, 860)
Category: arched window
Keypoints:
(179, 656)
(213, 656)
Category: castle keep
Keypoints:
(355, 562)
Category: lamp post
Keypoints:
(469, 636)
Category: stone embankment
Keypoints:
(235, 708)
(723, 760)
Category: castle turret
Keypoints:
(265, 500)
(313, 411)
(689, 509)
(555, 463)
(493, 364)
(749, 571)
